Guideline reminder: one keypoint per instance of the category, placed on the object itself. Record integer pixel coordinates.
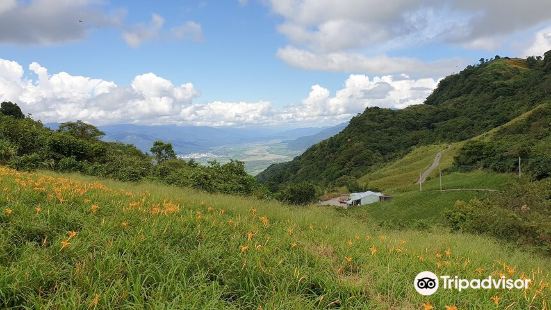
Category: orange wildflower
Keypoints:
(243, 248)
(452, 307)
(37, 210)
(495, 299)
(373, 250)
(64, 244)
(94, 208)
(71, 234)
(8, 211)
(427, 306)
(95, 301)
(250, 235)
(265, 221)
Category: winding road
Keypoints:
(433, 166)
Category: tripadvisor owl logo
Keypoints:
(426, 283)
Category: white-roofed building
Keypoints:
(365, 198)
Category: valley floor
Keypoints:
(68, 241)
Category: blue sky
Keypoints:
(239, 63)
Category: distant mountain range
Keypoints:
(192, 139)
(302, 143)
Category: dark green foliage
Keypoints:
(528, 138)
(11, 109)
(299, 194)
(521, 214)
(547, 61)
(28, 162)
(230, 178)
(162, 151)
(7, 151)
(69, 164)
(463, 106)
(80, 129)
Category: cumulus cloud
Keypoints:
(188, 30)
(339, 24)
(354, 62)
(150, 99)
(137, 34)
(358, 93)
(340, 35)
(140, 33)
(540, 44)
(52, 21)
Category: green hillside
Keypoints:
(463, 106)
(68, 241)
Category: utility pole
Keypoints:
(519, 171)
(440, 179)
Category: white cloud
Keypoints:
(540, 44)
(189, 29)
(332, 25)
(7, 5)
(354, 62)
(360, 92)
(344, 35)
(137, 34)
(52, 21)
(150, 99)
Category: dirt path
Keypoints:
(427, 172)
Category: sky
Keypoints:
(291, 63)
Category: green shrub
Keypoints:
(7, 151)
(27, 162)
(522, 215)
(299, 194)
(69, 164)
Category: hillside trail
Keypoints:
(431, 168)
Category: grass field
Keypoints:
(68, 241)
(401, 175)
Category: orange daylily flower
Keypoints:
(64, 244)
(427, 306)
(373, 250)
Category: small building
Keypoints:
(365, 198)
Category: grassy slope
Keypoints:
(158, 246)
(401, 175)
(410, 207)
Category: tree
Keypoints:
(162, 151)
(81, 130)
(299, 194)
(531, 61)
(547, 61)
(11, 109)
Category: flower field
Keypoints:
(72, 242)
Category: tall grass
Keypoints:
(78, 242)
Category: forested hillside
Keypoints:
(463, 106)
